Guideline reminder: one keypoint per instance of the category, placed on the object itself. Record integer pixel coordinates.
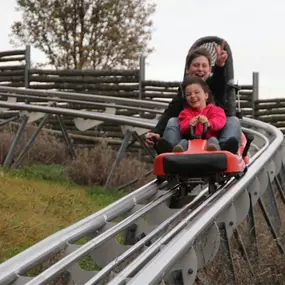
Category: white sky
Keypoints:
(254, 30)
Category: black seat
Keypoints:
(195, 165)
(207, 42)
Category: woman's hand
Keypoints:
(222, 55)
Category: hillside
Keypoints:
(38, 201)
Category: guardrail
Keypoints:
(171, 236)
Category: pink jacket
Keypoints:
(215, 115)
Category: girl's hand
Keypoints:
(203, 119)
(193, 122)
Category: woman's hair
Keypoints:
(189, 80)
(201, 51)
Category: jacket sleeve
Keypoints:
(173, 110)
(184, 120)
(217, 118)
(217, 84)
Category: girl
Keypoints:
(197, 112)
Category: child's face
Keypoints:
(199, 67)
(195, 96)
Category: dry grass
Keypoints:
(46, 149)
(268, 266)
(91, 167)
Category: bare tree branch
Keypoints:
(86, 33)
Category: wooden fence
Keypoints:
(119, 83)
(271, 111)
(11, 74)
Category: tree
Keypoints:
(86, 33)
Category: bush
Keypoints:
(47, 149)
(93, 167)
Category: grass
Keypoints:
(39, 200)
(48, 191)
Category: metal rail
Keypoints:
(40, 251)
(163, 240)
(85, 97)
(122, 120)
(157, 268)
(36, 281)
(156, 247)
(57, 268)
(140, 244)
(184, 232)
(33, 99)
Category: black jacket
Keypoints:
(216, 84)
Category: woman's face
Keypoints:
(200, 67)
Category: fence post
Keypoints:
(27, 65)
(141, 76)
(255, 91)
(141, 90)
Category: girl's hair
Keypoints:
(189, 80)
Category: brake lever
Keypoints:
(192, 133)
(205, 128)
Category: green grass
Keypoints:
(52, 172)
(39, 200)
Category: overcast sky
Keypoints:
(254, 30)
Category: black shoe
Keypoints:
(163, 146)
(178, 148)
(230, 145)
